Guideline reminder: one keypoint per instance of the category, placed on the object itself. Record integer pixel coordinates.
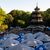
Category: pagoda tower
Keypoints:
(36, 17)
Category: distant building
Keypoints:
(36, 17)
(36, 23)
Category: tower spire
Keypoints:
(37, 6)
(36, 3)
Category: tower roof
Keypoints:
(37, 8)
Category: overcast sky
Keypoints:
(27, 5)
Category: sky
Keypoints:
(26, 5)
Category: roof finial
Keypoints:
(37, 6)
(36, 3)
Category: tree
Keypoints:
(46, 17)
(8, 20)
(3, 26)
(2, 12)
(22, 16)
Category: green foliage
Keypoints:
(2, 12)
(26, 16)
(46, 17)
(21, 16)
(3, 26)
(8, 20)
(48, 10)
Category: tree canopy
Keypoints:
(20, 18)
